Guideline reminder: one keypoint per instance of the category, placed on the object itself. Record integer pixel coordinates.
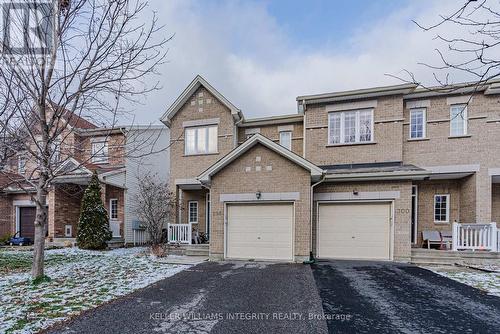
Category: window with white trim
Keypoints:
(113, 209)
(346, 127)
(193, 212)
(21, 164)
(99, 151)
(442, 208)
(68, 231)
(458, 120)
(56, 150)
(417, 123)
(286, 139)
(200, 140)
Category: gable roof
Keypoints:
(316, 172)
(197, 82)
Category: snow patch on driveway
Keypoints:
(86, 280)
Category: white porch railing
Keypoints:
(114, 226)
(475, 237)
(179, 233)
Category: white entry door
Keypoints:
(354, 231)
(260, 231)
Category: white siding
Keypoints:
(142, 142)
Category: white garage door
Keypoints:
(354, 231)
(260, 231)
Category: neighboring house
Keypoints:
(117, 154)
(354, 174)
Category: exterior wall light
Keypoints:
(258, 194)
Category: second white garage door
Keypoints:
(260, 231)
(354, 231)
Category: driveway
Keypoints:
(383, 297)
(216, 298)
(336, 297)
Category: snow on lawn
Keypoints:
(87, 279)
(488, 282)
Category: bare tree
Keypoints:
(470, 36)
(154, 205)
(83, 58)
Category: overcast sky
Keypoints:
(262, 54)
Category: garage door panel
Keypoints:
(357, 231)
(260, 231)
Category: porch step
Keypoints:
(442, 257)
(189, 250)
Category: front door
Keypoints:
(27, 222)
(414, 211)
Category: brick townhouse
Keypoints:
(354, 174)
(84, 149)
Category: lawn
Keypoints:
(80, 280)
(486, 281)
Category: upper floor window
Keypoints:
(99, 151)
(458, 120)
(350, 127)
(56, 150)
(286, 139)
(417, 123)
(113, 209)
(21, 164)
(201, 140)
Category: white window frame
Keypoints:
(21, 164)
(68, 231)
(197, 212)
(424, 122)
(447, 209)
(357, 127)
(289, 147)
(197, 150)
(56, 150)
(111, 201)
(465, 120)
(100, 155)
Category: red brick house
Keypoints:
(85, 149)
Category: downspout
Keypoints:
(311, 256)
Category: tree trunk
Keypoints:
(40, 224)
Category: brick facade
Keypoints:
(188, 167)
(401, 209)
(285, 176)
(473, 196)
(272, 132)
(6, 220)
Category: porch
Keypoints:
(192, 223)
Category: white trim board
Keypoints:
(453, 169)
(362, 195)
(418, 104)
(252, 197)
(200, 122)
(352, 105)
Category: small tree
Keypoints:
(155, 207)
(93, 228)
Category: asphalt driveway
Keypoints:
(335, 297)
(383, 297)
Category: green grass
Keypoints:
(21, 261)
(40, 280)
